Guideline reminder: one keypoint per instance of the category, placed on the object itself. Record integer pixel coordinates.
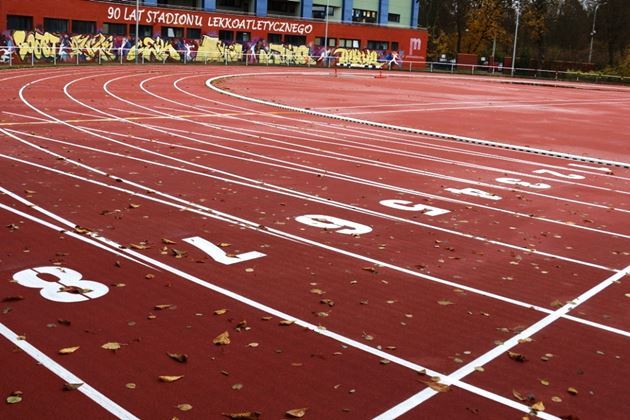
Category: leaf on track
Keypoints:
(68, 350)
(220, 311)
(518, 357)
(71, 387)
(436, 386)
(111, 346)
(445, 302)
(245, 415)
(296, 413)
(163, 306)
(184, 407)
(169, 378)
(222, 339)
(178, 357)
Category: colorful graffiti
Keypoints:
(34, 46)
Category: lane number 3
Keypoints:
(69, 286)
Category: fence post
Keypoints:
(78, 59)
(472, 69)
(452, 67)
(55, 56)
(33, 59)
(100, 53)
(142, 58)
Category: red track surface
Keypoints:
(143, 159)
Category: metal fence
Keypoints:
(11, 57)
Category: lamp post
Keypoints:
(517, 5)
(590, 51)
(137, 27)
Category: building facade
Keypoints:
(361, 33)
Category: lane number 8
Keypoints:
(68, 288)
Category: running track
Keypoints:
(359, 271)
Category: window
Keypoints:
(393, 17)
(55, 25)
(193, 33)
(170, 32)
(143, 30)
(114, 28)
(364, 16)
(349, 43)
(274, 38)
(282, 7)
(377, 45)
(233, 4)
(319, 11)
(319, 41)
(19, 23)
(243, 36)
(226, 36)
(394, 46)
(295, 39)
(83, 27)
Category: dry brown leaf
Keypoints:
(177, 253)
(111, 346)
(69, 350)
(224, 244)
(71, 387)
(254, 345)
(169, 378)
(245, 415)
(556, 399)
(572, 391)
(317, 291)
(184, 407)
(445, 302)
(138, 247)
(222, 339)
(82, 230)
(167, 241)
(130, 385)
(179, 357)
(220, 311)
(539, 406)
(544, 382)
(297, 412)
(14, 399)
(75, 290)
(518, 395)
(436, 386)
(370, 269)
(163, 306)
(516, 356)
(286, 322)
(237, 387)
(133, 206)
(13, 298)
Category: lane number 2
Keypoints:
(69, 286)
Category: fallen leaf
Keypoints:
(297, 412)
(544, 382)
(184, 407)
(71, 387)
(246, 415)
(181, 358)
(572, 391)
(177, 253)
(237, 387)
(13, 298)
(370, 269)
(163, 306)
(130, 385)
(75, 290)
(253, 345)
(81, 229)
(169, 379)
(133, 206)
(167, 241)
(439, 387)
(138, 247)
(224, 244)
(220, 311)
(111, 346)
(445, 302)
(518, 395)
(68, 350)
(286, 322)
(317, 291)
(222, 339)
(516, 356)
(13, 399)
(539, 406)
(556, 399)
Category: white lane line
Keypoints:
(212, 126)
(376, 134)
(337, 142)
(486, 358)
(591, 168)
(210, 84)
(69, 377)
(233, 220)
(251, 183)
(312, 327)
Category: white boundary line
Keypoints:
(66, 375)
(312, 327)
(484, 359)
(210, 84)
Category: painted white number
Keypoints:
(475, 193)
(219, 255)
(345, 227)
(521, 183)
(68, 288)
(409, 206)
(558, 174)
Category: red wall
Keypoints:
(94, 11)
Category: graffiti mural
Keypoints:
(33, 46)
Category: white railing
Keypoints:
(166, 53)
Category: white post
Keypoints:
(590, 51)
(326, 28)
(137, 27)
(518, 16)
